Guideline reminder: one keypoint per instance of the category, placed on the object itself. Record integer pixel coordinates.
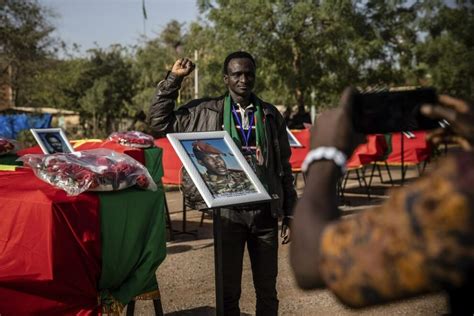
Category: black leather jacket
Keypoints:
(207, 115)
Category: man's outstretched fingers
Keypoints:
(439, 112)
(457, 104)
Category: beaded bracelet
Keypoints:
(325, 153)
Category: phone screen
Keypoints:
(393, 111)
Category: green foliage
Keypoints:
(25, 46)
(153, 60)
(57, 86)
(106, 88)
(447, 54)
(26, 139)
(306, 53)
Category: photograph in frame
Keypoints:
(294, 142)
(218, 169)
(52, 140)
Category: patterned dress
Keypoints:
(420, 240)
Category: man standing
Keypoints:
(259, 131)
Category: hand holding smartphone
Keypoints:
(393, 111)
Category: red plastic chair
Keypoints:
(299, 153)
(416, 151)
(366, 154)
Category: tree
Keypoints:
(311, 49)
(446, 56)
(25, 46)
(58, 85)
(105, 89)
(152, 61)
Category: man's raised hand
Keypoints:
(182, 67)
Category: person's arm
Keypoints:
(162, 118)
(287, 179)
(318, 205)
(416, 241)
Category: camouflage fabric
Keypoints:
(234, 183)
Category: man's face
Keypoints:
(214, 164)
(240, 77)
(55, 143)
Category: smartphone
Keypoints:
(393, 111)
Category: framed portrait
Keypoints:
(294, 142)
(52, 140)
(218, 169)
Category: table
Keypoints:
(59, 254)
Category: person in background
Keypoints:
(299, 119)
(418, 241)
(259, 130)
(287, 116)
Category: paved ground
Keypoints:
(186, 277)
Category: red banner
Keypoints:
(50, 252)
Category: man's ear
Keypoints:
(226, 79)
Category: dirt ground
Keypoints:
(186, 277)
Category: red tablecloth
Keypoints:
(171, 163)
(68, 252)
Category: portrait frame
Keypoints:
(181, 144)
(40, 135)
(294, 142)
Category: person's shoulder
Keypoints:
(267, 105)
(208, 102)
(269, 108)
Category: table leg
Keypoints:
(218, 271)
(402, 150)
(184, 231)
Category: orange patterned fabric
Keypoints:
(420, 240)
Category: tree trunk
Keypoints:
(299, 94)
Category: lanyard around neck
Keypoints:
(245, 136)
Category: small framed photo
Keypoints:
(220, 172)
(294, 142)
(52, 140)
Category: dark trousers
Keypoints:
(259, 230)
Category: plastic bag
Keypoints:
(8, 146)
(94, 170)
(132, 139)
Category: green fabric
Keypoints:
(153, 158)
(388, 141)
(133, 236)
(260, 139)
(10, 160)
(229, 125)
